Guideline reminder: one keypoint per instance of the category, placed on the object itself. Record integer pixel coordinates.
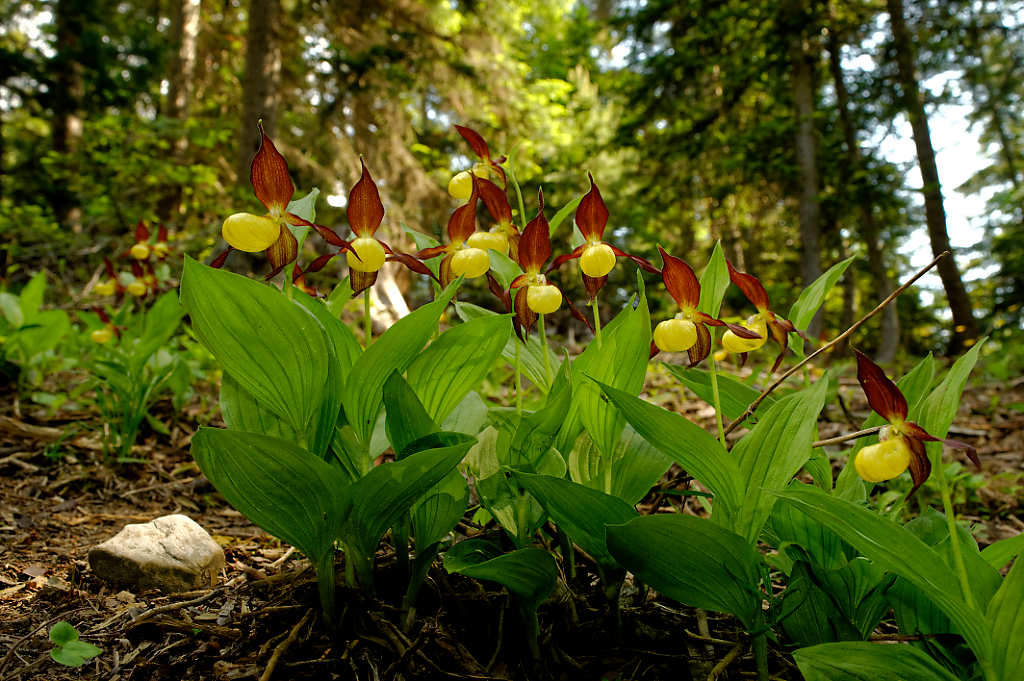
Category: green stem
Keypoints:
(597, 321)
(519, 379)
(760, 646)
(954, 538)
(544, 347)
(367, 320)
(715, 395)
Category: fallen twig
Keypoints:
(283, 646)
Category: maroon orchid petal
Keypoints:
(283, 251)
(743, 359)
(495, 200)
(218, 262)
(564, 258)
(432, 252)
(574, 312)
(294, 219)
(642, 263)
(513, 244)
(444, 271)
(475, 141)
(883, 395)
(331, 237)
(702, 318)
(778, 359)
(410, 262)
(524, 315)
(592, 214)
(161, 234)
(137, 270)
(916, 432)
(102, 314)
(499, 293)
(519, 282)
(499, 171)
(535, 243)
(593, 285)
(653, 351)
(269, 175)
(111, 272)
(681, 282)
(361, 280)
(742, 331)
(141, 232)
(920, 465)
(462, 223)
(702, 348)
(364, 210)
(320, 263)
(750, 286)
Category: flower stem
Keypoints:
(544, 347)
(954, 537)
(597, 321)
(519, 379)
(367, 320)
(713, 371)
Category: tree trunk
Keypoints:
(66, 125)
(889, 342)
(964, 325)
(802, 82)
(181, 85)
(260, 82)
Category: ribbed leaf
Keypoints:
(1003, 551)
(635, 466)
(863, 661)
(531, 353)
(530, 573)
(735, 396)
(812, 298)
(1005, 617)
(714, 281)
(406, 420)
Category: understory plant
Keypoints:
(332, 440)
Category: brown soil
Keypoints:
(262, 620)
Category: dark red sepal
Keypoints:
(883, 395)
(431, 252)
(320, 263)
(476, 142)
(535, 243)
(742, 331)
(462, 223)
(137, 270)
(142, 233)
(361, 280)
(283, 251)
(410, 262)
(653, 351)
(364, 210)
(576, 313)
(112, 273)
(681, 282)
(564, 258)
(920, 465)
(592, 213)
(331, 237)
(593, 285)
(914, 431)
(269, 175)
(524, 315)
(702, 348)
(494, 199)
(499, 293)
(642, 263)
(750, 286)
(218, 262)
(161, 234)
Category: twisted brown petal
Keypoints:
(750, 286)
(476, 142)
(269, 175)
(883, 395)
(681, 282)
(592, 213)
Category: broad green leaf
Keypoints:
(534, 433)
(824, 547)
(895, 549)
(629, 474)
(395, 350)
(563, 213)
(31, 299)
(717, 570)
(45, 332)
(63, 633)
(1003, 551)
(406, 421)
(580, 512)
(689, 445)
(10, 306)
(305, 207)
(735, 396)
(439, 510)
(1005, 617)
(773, 452)
(242, 412)
(378, 500)
(811, 300)
(275, 349)
(74, 653)
(456, 362)
(620, 361)
(530, 573)
(714, 281)
(504, 268)
(346, 347)
(531, 353)
(813, 616)
(864, 661)
(940, 407)
(339, 296)
(468, 417)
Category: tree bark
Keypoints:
(66, 124)
(802, 62)
(260, 82)
(964, 325)
(185, 16)
(889, 342)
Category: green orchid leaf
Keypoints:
(714, 282)
(897, 550)
(531, 353)
(395, 350)
(629, 474)
(773, 452)
(999, 553)
(305, 207)
(346, 347)
(534, 433)
(406, 421)
(241, 411)
(811, 299)
(563, 213)
(619, 361)
(504, 268)
(469, 415)
(530, 573)
(735, 396)
(863, 661)
(812, 614)
(689, 445)
(276, 350)
(940, 407)
(456, 362)
(440, 509)
(1006, 624)
(719, 571)
(339, 296)
(580, 512)
(63, 633)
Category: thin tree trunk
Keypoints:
(802, 82)
(181, 84)
(889, 342)
(261, 80)
(964, 325)
(66, 126)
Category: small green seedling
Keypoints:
(67, 649)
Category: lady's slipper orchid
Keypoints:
(901, 443)
(534, 294)
(273, 186)
(461, 258)
(503, 237)
(597, 258)
(688, 331)
(461, 184)
(758, 326)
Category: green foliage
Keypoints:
(68, 650)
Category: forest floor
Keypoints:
(262, 621)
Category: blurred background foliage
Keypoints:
(760, 123)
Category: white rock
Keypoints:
(171, 553)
